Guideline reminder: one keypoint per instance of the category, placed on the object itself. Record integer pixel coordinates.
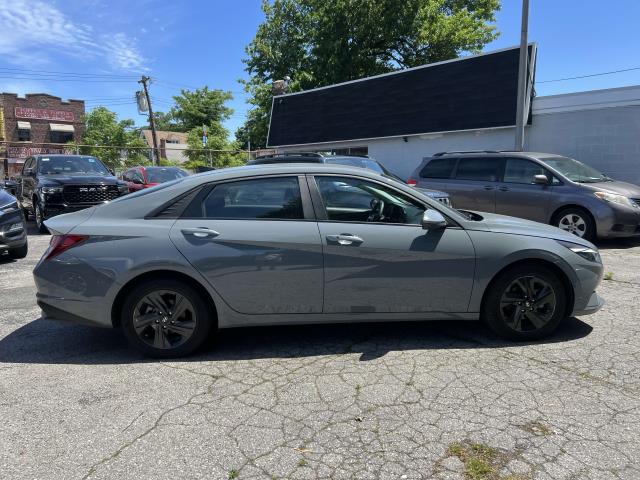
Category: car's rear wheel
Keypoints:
(19, 252)
(576, 221)
(164, 318)
(39, 217)
(526, 302)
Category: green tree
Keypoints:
(218, 153)
(200, 107)
(166, 122)
(114, 141)
(318, 43)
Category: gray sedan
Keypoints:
(294, 244)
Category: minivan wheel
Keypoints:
(525, 303)
(39, 217)
(164, 318)
(576, 221)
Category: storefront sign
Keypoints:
(45, 114)
(24, 152)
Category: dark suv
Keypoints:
(53, 184)
(352, 161)
(543, 187)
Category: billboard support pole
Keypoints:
(521, 115)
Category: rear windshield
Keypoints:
(161, 175)
(438, 168)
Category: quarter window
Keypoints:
(265, 198)
(481, 169)
(439, 168)
(353, 200)
(518, 170)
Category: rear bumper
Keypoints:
(593, 305)
(49, 312)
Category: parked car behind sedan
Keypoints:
(50, 185)
(544, 187)
(138, 178)
(13, 229)
(305, 243)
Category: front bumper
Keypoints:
(619, 222)
(12, 238)
(594, 304)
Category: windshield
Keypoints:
(161, 175)
(575, 170)
(364, 163)
(67, 165)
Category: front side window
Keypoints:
(264, 198)
(480, 169)
(518, 170)
(439, 168)
(354, 200)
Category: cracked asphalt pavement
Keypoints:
(369, 401)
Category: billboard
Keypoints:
(471, 93)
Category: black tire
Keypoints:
(39, 217)
(577, 221)
(143, 337)
(26, 213)
(502, 303)
(19, 252)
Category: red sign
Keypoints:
(45, 114)
(24, 152)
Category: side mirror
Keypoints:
(540, 179)
(137, 181)
(112, 172)
(433, 220)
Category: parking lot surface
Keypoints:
(444, 400)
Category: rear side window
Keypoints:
(485, 169)
(439, 168)
(264, 198)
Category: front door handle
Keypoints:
(200, 232)
(488, 187)
(345, 239)
(504, 189)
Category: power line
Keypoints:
(590, 75)
(71, 74)
(82, 80)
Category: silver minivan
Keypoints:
(543, 187)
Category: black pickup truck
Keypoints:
(53, 184)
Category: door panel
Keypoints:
(257, 266)
(396, 268)
(472, 195)
(518, 196)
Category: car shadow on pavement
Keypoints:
(48, 342)
(618, 243)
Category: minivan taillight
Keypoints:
(412, 182)
(62, 243)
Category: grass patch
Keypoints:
(608, 276)
(537, 428)
(233, 474)
(482, 462)
(302, 462)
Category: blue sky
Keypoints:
(199, 42)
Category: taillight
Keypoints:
(412, 182)
(62, 243)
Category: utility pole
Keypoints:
(144, 81)
(523, 79)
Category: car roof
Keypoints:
(490, 153)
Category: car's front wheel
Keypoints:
(526, 302)
(19, 252)
(39, 217)
(576, 221)
(165, 318)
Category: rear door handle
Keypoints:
(345, 239)
(488, 187)
(200, 232)
(503, 189)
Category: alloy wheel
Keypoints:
(38, 212)
(528, 304)
(164, 319)
(573, 223)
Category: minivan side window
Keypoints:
(264, 198)
(519, 170)
(439, 168)
(484, 169)
(348, 199)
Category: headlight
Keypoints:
(587, 253)
(10, 208)
(51, 189)
(615, 198)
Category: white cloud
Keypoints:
(32, 31)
